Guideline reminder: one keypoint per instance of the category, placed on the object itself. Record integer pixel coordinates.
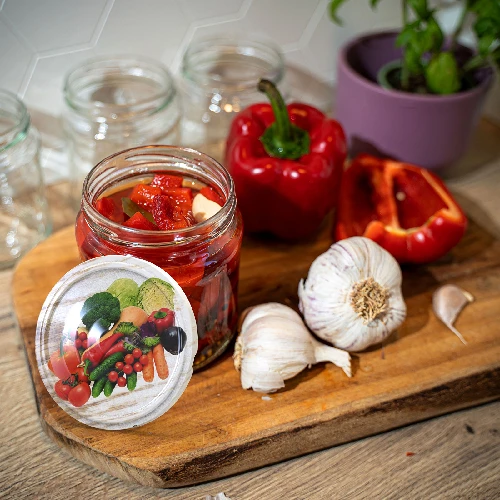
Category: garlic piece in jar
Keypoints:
(274, 345)
(203, 208)
(352, 295)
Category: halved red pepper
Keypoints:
(405, 209)
(64, 361)
(286, 162)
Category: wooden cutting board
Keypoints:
(217, 429)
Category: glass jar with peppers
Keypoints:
(141, 202)
(290, 159)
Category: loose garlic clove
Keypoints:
(447, 303)
(203, 208)
(352, 295)
(274, 345)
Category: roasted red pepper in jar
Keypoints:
(286, 162)
(405, 209)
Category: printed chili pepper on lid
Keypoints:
(94, 348)
(286, 162)
(405, 209)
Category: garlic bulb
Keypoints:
(352, 295)
(274, 345)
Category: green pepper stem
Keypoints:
(280, 110)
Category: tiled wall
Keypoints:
(40, 40)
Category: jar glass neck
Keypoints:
(146, 161)
(232, 65)
(119, 89)
(14, 120)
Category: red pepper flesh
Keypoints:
(95, 353)
(65, 365)
(118, 347)
(286, 197)
(405, 209)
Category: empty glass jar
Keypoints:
(219, 78)
(115, 104)
(24, 217)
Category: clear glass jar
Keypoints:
(115, 104)
(24, 216)
(203, 259)
(219, 78)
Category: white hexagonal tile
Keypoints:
(155, 29)
(45, 90)
(204, 10)
(282, 20)
(54, 24)
(15, 61)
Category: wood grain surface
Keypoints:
(455, 456)
(217, 429)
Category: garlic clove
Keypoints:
(333, 355)
(271, 308)
(203, 208)
(447, 303)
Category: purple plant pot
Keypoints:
(428, 130)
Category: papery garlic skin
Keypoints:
(274, 345)
(326, 296)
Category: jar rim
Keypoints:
(16, 112)
(264, 50)
(210, 227)
(96, 68)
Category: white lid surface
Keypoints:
(61, 316)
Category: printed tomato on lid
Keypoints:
(115, 342)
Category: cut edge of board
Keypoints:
(290, 441)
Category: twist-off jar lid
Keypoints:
(81, 325)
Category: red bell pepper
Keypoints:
(64, 361)
(286, 162)
(138, 221)
(405, 209)
(162, 319)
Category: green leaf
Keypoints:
(151, 341)
(420, 8)
(412, 60)
(160, 314)
(442, 74)
(374, 3)
(435, 34)
(485, 26)
(408, 33)
(334, 7)
(130, 208)
(484, 44)
(126, 327)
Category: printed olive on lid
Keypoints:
(115, 342)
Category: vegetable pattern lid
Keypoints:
(115, 342)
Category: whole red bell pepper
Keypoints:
(405, 209)
(286, 162)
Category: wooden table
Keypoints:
(455, 456)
